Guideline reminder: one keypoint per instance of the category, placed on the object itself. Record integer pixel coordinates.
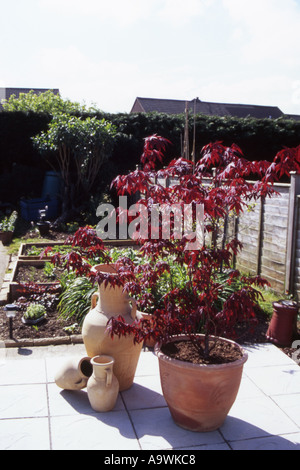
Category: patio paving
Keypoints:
(37, 415)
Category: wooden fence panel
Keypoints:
(263, 233)
(297, 252)
(249, 235)
(274, 239)
(270, 234)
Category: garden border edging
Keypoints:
(72, 339)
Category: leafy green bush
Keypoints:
(79, 147)
(35, 311)
(8, 223)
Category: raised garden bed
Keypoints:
(29, 266)
(32, 251)
(26, 273)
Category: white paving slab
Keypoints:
(276, 380)
(145, 393)
(156, 430)
(266, 354)
(104, 431)
(290, 404)
(22, 372)
(256, 417)
(285, 442)
(36, 414)
(24, 434)
(23, 401)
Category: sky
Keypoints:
(107, 53)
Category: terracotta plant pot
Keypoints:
(283, 323)
(6, 238)
(199, 396)
(111, 301)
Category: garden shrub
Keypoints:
(259, 138)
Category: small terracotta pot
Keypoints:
(6, 238)
(283, 323)
(199, 396)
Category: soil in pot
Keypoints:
(221, 352)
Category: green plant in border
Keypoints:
(8, 223)
(34, 311)
(71, 329)
(49, 271)
(75, 300)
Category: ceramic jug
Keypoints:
(73, 374)
(102, 386)
(111, 301)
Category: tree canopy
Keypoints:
(79, 146)
(46, 102)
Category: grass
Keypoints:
(14, 247)
(269, 296)
(22, 229)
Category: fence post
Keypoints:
(291, 232)
(260, 236)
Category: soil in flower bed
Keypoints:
(35, 274)
(52, 326)
(220, 352)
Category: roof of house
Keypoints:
(148, 105)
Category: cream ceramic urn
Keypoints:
(111, 301)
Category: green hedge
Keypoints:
(258, 138)
(22, 169)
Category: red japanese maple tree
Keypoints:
(219, 182)
(204, 302)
